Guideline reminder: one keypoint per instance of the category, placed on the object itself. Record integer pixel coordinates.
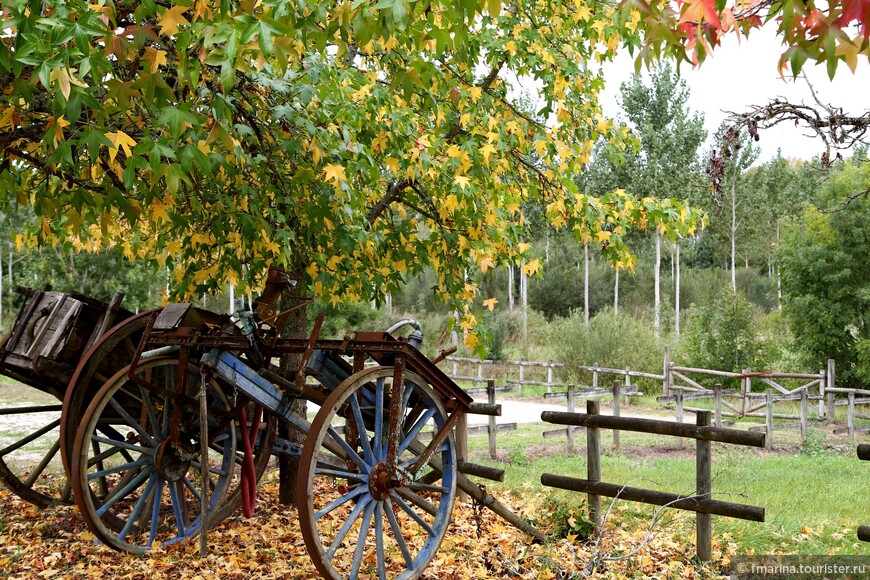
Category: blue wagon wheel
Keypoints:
(357, 519)
(135, 484)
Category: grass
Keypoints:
(814, 494)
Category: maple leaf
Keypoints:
(172, 19)
(154, 57)
(334, 173)
(856, 10)
(490, 303)
(697, 11)
(120, 140)
(462, 181)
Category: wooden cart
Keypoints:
(169, 419)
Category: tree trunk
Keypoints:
(511, 288)
(657, 308)
(524, 305)
(778, 276)
(1, 293)
(586, 284)
(616, 293)
(734, 236)
(677, 289)
(288, 466)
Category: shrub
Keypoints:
(722, 334)
(612, 340)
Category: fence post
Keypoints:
(851, 419)
(703, 485)
(617, 446)
(666, 383)
(747, 385)
(455, 369)
(479, 373)
(550, 376)
(768, 443)
(462, 449)
(832, 407)
(627, 386)
(522, 378)
(679, 395)
(490, 396)
(570, 410)
(744, 395)
(717, 404)
(595, 376)
(831, 376)
(804, 401)
(593, 464)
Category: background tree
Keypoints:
(825, 281)
(665, 163)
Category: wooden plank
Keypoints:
(707, 372)
(703, 488)
(690, 381)
(655, 427)
(593, 463)
(476, 429)
(776, 427)
(707, 506)
(771, 383)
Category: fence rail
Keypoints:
(701, 502)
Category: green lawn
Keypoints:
(814, 495)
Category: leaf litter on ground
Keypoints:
(55, 543)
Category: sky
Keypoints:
(741, 74)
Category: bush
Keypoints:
(722, 334)
(612, 340)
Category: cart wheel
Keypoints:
(135, 486)
(354, 522)
(29, 454)
(112, 352)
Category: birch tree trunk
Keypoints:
(510, 288)
(677, 289)
(657, 308)
(734, 236)
(778, 276)
(616, 293)
(524, 304)
(586, 284)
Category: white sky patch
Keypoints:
(738, 75)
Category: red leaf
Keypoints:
(697, 11)
(856, 10)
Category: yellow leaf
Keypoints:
(602, 236)
(392, 163)
(172, 19)
(531, 268)
(462, 181)
(58, 125)
(450, 204)
(120, 140)
(154, 57)
(8, 117)
(61, 75)
(476, 93)
(334, 173)
(490, 303)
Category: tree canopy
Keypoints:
(353, 143)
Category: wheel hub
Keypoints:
(379, 481)
(171, 461)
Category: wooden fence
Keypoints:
(864, 455)
(520, 374)
(701, 502)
